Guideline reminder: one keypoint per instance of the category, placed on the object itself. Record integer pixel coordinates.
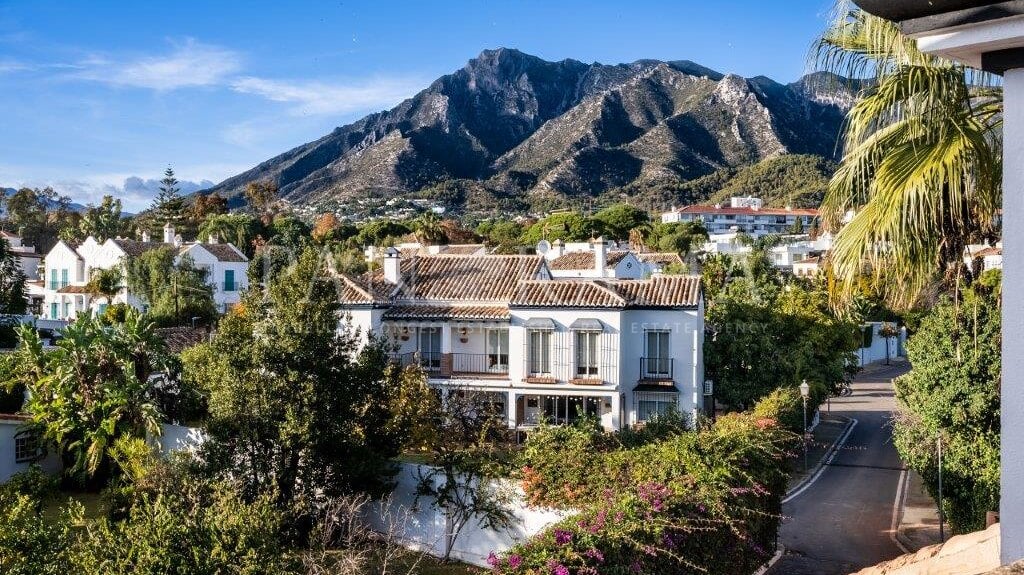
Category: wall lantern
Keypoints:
(405, 334)
(463, 337)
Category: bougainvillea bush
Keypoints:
(707, 501)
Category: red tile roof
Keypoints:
(989, 251)
(585, 260)
(659, 291)
(444, 312)
(464, 278)
(663, 258)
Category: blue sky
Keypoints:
(99, 97)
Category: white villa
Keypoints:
(68, 268)
(743, 214)
(545, 348)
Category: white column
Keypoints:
(510, 408)
(1011, 505)
(617, 422)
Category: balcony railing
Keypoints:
(479, 363)
(656, 367)
(428, 360)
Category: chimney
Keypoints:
(212, 238)
(557, 249)
(168, 233)
(392, 261)
(600, 255)
(145, 236)
(178, 241)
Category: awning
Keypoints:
(545, 323)
(587, 324)
(655, 388)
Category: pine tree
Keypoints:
(168, 205)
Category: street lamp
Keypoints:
(805, 390)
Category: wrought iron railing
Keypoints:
(656, 367)
(480, 363)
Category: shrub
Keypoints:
(704, 501)
(32, 483)
(785, 406)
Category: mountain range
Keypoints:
(513, 131)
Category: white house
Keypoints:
(991, 256)
(28, 259)
(808, 267)
(743, 214)
(68, 268)
(544, 348)
(19, 449)
(600, 258)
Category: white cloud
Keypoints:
(190, 64)
(321, 98)
(7, 66)
(135, 193)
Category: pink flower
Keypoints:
(514, 561)
(563, 537)
(560, 570)
(595, 554)
(492, 559)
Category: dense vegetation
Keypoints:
(952, 394)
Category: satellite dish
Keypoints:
(543, 247)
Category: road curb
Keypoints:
(780, 550)
(899, 509)
(825, 459)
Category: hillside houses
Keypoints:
(68, 268)
(541, 347)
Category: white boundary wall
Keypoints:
(421, 526)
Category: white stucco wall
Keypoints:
(8, 463)
(421, 526)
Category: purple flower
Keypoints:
(563, 537)
(560, 570)
(492, 559)
(595, 554)
(514, 561)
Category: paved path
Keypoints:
(843, 521)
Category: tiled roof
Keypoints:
(728, 210)
(989, 251)
(463, 278)
(663, 258)
(355, 291)
(225, 253)
(462, 249)
(810, 260)
(659, 291)
(566, 293)
(73, 289)
(135, 248)
(443, 312)
(584, 260)
(179, 339)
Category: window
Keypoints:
(497, 349)
(428, 344)
(64, 278)
(657, 361)
(53, 310)
(652, 404)
(26, 448)
(586, 353)
(540, 352)
(229, 280)
(53, 280)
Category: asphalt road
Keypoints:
(843, 521)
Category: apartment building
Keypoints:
(68, 268)
(542, 348)
(745, 215)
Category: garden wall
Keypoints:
(422, 527)
(175, 437)
(877, 351)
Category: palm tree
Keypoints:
(105, 283)
(921, 165)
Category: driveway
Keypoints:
(843, 521)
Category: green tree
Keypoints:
(619, 219)
(952, 393)
(38, 215)
(93, 388)
(12, 282)
(168, 206)
(294, 411)
(290, 232)
(238, 229)
(262, 198)
(921, 164)
(428, 229)
(174, 290)
(380, 232)
(565, 226)
(677, 237)
(105, 283)
(101, 222)
(504, 236)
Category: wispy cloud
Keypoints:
(189, 64)
(7, 66)
(322, 98)
(135, 193)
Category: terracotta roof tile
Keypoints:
(663, 258)
(444, 312)
(73, 289)
(659, 291)
(566, 293)
(465, 278)
(989, 251)
(179, 339)
(135, 248)
(585, 260)
(225, 253)
(462, 249)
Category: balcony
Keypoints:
(429, 361)
(495, 364)
(657, 368)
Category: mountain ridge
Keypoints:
(511, 129)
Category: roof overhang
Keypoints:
(984, 35)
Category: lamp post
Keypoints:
(709, 392)
(805, 390)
